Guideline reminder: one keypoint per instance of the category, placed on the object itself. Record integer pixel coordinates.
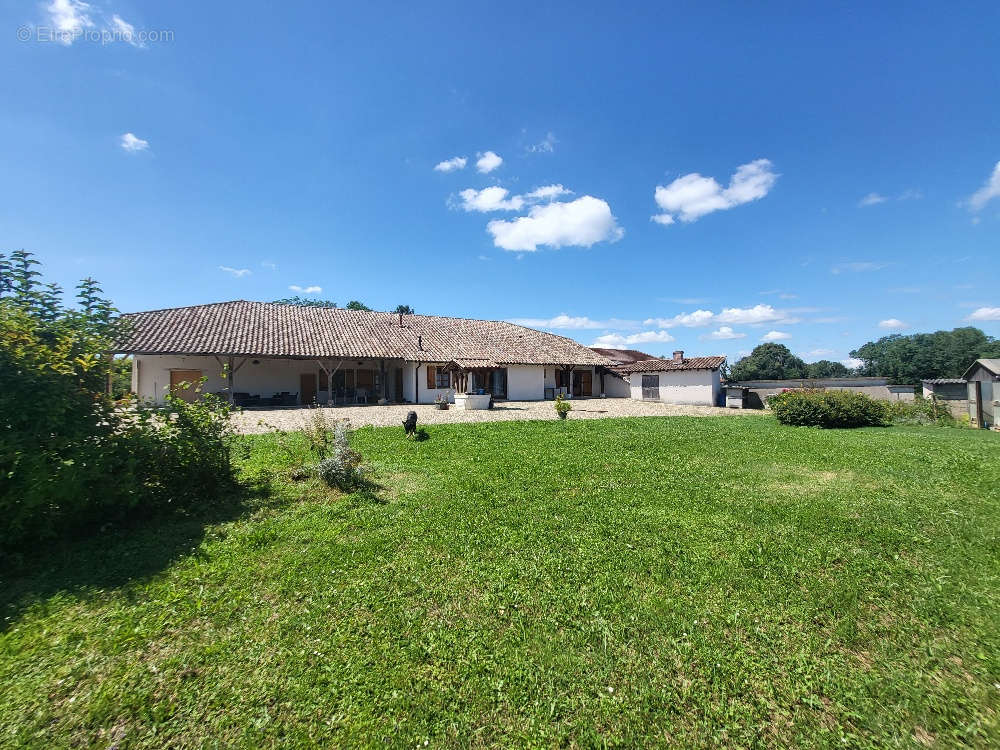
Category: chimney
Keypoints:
(679, 356)
(420, 343)
(401, 320)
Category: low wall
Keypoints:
(878, 388)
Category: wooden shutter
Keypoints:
(431, 372)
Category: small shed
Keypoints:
(946, 389)
(983, 383)
(678, 380)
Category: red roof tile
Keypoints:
(668, 365)
(267, 329)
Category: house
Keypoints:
(277, 354)
(952, 393)
(616, 383)
(679, 380)
(983, 384)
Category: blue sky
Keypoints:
(662, 177)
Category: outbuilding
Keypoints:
(983, 384)
(679, 380)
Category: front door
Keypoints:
(398, 385)
(181, 378)
(307, 387)
(583, 383)
(650, 387)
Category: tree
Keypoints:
(825, 368)
(769, 362)
(70, 458)
(355, 305)
(303, 302)
(909, 359)
(404, 310)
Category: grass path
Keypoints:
(703, 581)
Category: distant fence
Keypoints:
(758, 390)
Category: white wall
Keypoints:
(526, 382)
(428, 395)
(614, 386)
(700, 387)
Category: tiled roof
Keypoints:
(669, 365)
(622, 356)
(266, 329)
(942, 381)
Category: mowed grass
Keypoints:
(633, 582)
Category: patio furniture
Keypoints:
(362, 394)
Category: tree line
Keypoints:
(352, 305)
(905, 360)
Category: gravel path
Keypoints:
(291, 419)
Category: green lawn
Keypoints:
(713, 581)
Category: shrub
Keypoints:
(69, 456)
(343, 467)
(563, 407)
(921, 411)
(815, 408)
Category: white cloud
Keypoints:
(132, 144)
(985, 313)
(69, 18)
(306, 290)
(695, 319)
(724, 332)
(819, 353)
(546, 146)
(581, 222)
(692, 196)
(483, 257)
(124, 31)
(775, 336)
(755, 315)
(268, 265)
(547, 193)
(238, 273)
(617, 341)
(490, 199)
(851, 363)
(910, 195)
(872, 199)
(858, 267)
(576, 322)
(892, 323)
(451, 165)
(487, 162)
(751, 315)
(989, 191)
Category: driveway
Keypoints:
(289, 419)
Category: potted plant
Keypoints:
(441, 402)
(563, 407)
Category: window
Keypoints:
(438, 377)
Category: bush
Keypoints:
(343, 467)
(70, 457)
(815, 408)
(921, 411)
(562, 406)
